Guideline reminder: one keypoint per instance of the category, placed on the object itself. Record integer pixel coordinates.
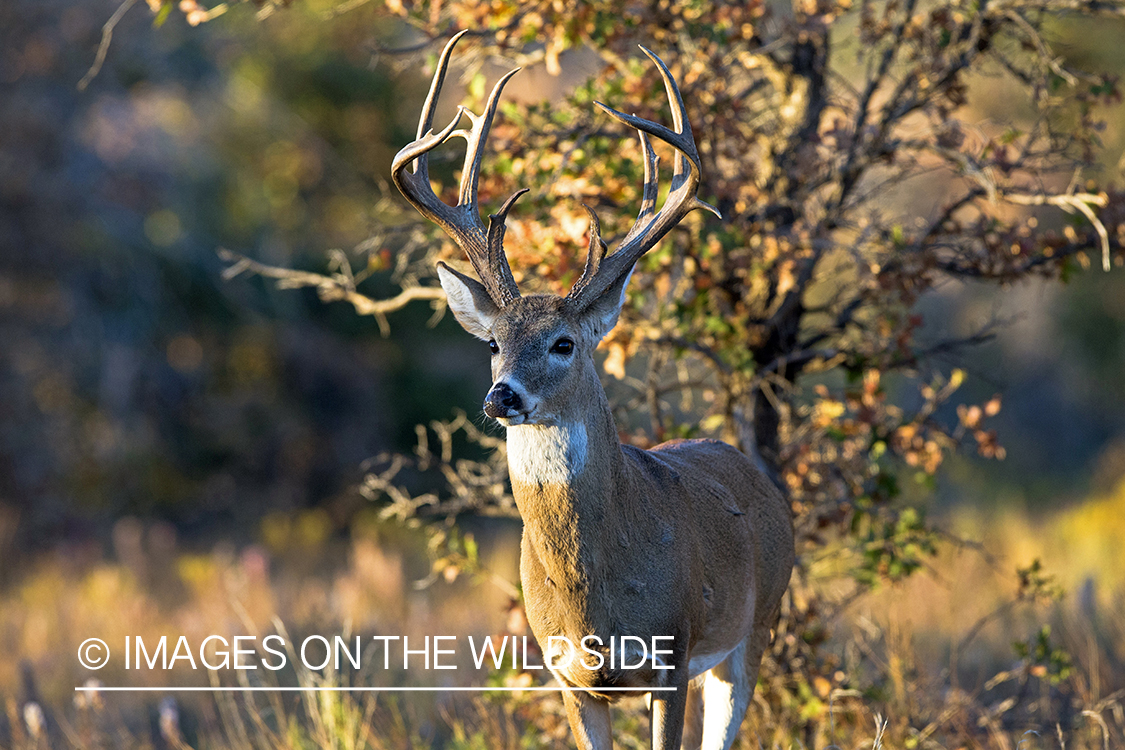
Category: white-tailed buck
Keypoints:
(687, 540)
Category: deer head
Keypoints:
(542, 345)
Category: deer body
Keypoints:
(646, 543)
(687, 541)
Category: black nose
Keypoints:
(501, 401)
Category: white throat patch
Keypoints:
(546, 454)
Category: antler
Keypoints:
(461, 222)
(602, 271)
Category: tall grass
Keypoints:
(958, 655)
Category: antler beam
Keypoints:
(601, 271)
(462, 222)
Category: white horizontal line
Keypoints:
(258, 689)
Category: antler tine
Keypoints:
(462, 222)
(679, 119)
(595, 253)
(475, 139)
(497, 260)
(651, 226)
(650, 187)
(426, 119)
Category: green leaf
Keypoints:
(162, 16)
(476, 87)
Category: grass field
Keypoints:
(958, 655)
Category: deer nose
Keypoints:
(502, 401)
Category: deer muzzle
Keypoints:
(502, 401)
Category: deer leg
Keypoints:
(668, 710)
(589, 720)
(693, 717)
(727, 690)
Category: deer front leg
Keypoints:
(727, 690)
(668, 709)
(589, 720)
(693, 717)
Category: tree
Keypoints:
(855, 177)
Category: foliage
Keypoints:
(738, 328)
(855, 179)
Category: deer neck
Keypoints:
(573, 452)
(564, 474)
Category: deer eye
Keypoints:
(563, 346)
(493, 346)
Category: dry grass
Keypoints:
(925, 663)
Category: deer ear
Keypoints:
(469, 301)
(603, 312)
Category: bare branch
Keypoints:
(1045, 54)
(103, 46)
(1071, 202)
(336, 288)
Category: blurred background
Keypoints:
(171, 442)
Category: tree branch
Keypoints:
(1072, 202)
(336, 288)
